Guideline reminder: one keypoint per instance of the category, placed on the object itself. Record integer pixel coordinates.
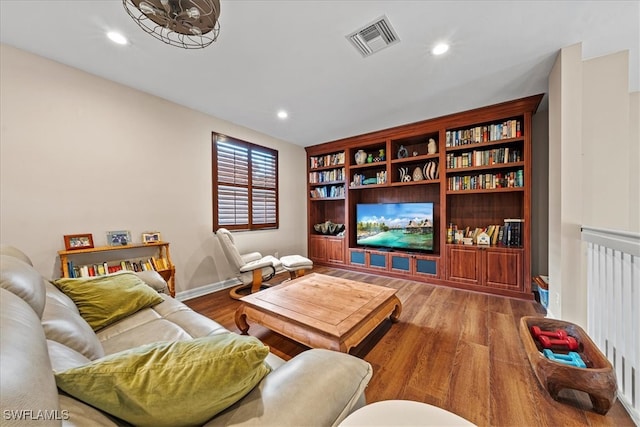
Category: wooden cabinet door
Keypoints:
(335, 250)
(425, 266)
(317, 248)
(378, 260)
(503, 269)
(464, 264)
(400, 263)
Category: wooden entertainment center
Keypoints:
(483, 164)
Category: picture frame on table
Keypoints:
(150, 237)
(78, 241)
(118, 238)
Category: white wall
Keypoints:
(80, 154)
(593, 158)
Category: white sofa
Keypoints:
(41, 331)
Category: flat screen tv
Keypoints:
(407, 226)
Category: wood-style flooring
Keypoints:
(454, 349)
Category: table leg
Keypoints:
(396, 311)
(241, 320)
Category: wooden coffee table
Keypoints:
(320, 311)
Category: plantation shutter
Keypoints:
(245, 191)
(263, 192)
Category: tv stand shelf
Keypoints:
(474, 166)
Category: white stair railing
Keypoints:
(613, 306)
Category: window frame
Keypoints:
(250, 187)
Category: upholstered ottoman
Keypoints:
(296, 265)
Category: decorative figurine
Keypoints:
(432, 147)
(402, 152)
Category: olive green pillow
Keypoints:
(170, 383)
(104, 300)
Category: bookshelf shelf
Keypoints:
(151, 256)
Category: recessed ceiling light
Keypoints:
(440, 48)
(117, 37)
(282, 114)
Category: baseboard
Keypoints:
(206, 289)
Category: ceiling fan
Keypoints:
(190, 24)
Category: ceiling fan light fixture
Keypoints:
(189, 24)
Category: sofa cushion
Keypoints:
(63, 357)
(170, 383)
(25, 372)
(106, 299)
(67, 327)
(24, 281)
(15, 252)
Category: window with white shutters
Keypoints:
(245, 185)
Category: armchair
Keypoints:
(252, 269)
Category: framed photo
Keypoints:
(78, 241)
(150, 237)
(118, 238)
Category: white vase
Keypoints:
(361, 157)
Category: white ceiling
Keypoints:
(293, 55)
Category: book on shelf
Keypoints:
(332, 191)
(486, 181)
(102, 269)
(496, 156)
(326, 176)
(487, 133)
(334, 159)
(512, 235)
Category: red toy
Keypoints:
(568, 343)
(558, 333)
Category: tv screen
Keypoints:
(395, 225)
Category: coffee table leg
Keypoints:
(241, 320)
(396, 311)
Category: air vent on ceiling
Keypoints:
(374, 36)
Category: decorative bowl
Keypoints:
(329, 228)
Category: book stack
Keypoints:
(512, 233)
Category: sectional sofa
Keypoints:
(162, 364)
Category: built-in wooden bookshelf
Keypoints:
(474, 166)
(104, 260)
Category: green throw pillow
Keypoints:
(104, 300)
(170, 383)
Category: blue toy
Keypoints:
(572, 359)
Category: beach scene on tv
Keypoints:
(395, 225)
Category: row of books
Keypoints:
(327, 160)
(477, 134)
(90, 270)
(326, 176)
(509, 234)
(486, 181)
(331, 191)
(484, 158)
(512, 232)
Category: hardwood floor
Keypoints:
(454, 349)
